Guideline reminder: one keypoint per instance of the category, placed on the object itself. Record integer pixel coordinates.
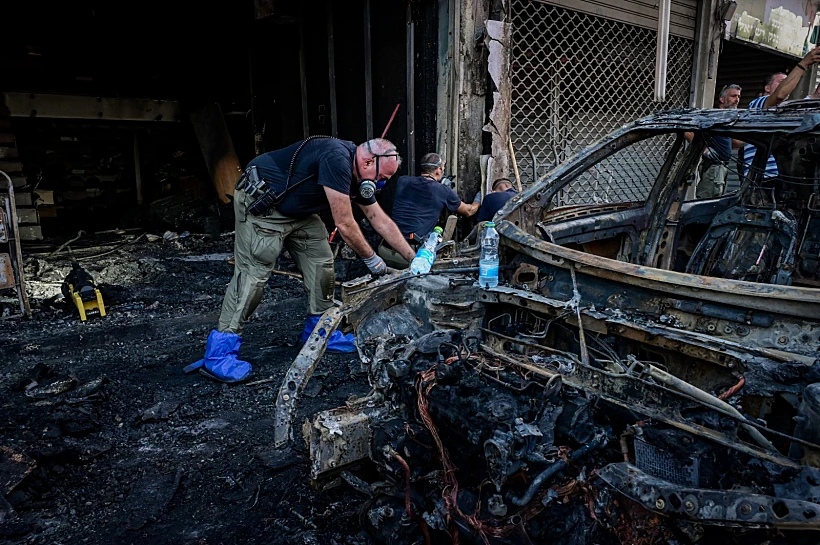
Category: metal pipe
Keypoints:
(331, 67)
(534, 163)
(411, 92)
(708, 399)
(390, 121)
(11, 203)
(662, 49)
(545, 475)
(410, 276)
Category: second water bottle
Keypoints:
(426, 254)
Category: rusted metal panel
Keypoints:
(300, 372)
(6, 272)
(339, 437)
(14, 466)
(727, 507)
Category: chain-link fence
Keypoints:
(575, 78)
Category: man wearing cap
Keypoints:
(277, 204)
(419, 202)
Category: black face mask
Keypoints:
(369, 188)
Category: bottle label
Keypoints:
(488, 269)
(424, 253)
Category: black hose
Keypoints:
(544, 476)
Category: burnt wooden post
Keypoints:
(471, 96)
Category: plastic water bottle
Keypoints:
(426, 254)
(488, 262)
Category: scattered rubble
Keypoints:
(88, 407)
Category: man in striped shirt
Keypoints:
(777, 89)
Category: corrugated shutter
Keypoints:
(576, 77)
(642, 13)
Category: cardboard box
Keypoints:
(30, 232)
(47, 211)
(11, 166)
(27, 216)
(45, 196)
(23, 198)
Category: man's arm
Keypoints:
(343, 218)
(467, 210)
(792, 79)
(385, 226)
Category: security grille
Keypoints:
(575, 78)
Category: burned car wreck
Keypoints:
(646, 371)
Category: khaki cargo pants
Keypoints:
(392, 258)
(257, 245)
(712, 181)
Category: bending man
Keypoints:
(277, 202)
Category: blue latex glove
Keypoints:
(338, 341)
(221, 360)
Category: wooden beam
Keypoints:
(85, 107)
(217, 149)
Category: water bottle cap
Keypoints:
(489, 224)
(438, 229)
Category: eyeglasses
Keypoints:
(731, 86)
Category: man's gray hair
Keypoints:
(725, 90)
(381, 147)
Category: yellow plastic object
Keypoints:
(93, 307)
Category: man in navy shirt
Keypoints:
(502, 191)
(419, 202)
(304, 180)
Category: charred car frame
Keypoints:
(646, 371)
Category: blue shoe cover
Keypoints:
(221, 360)
(338, 342)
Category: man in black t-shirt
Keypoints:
(502, 191)
(419, 203)
(307, 178)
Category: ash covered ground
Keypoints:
(136, 451)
